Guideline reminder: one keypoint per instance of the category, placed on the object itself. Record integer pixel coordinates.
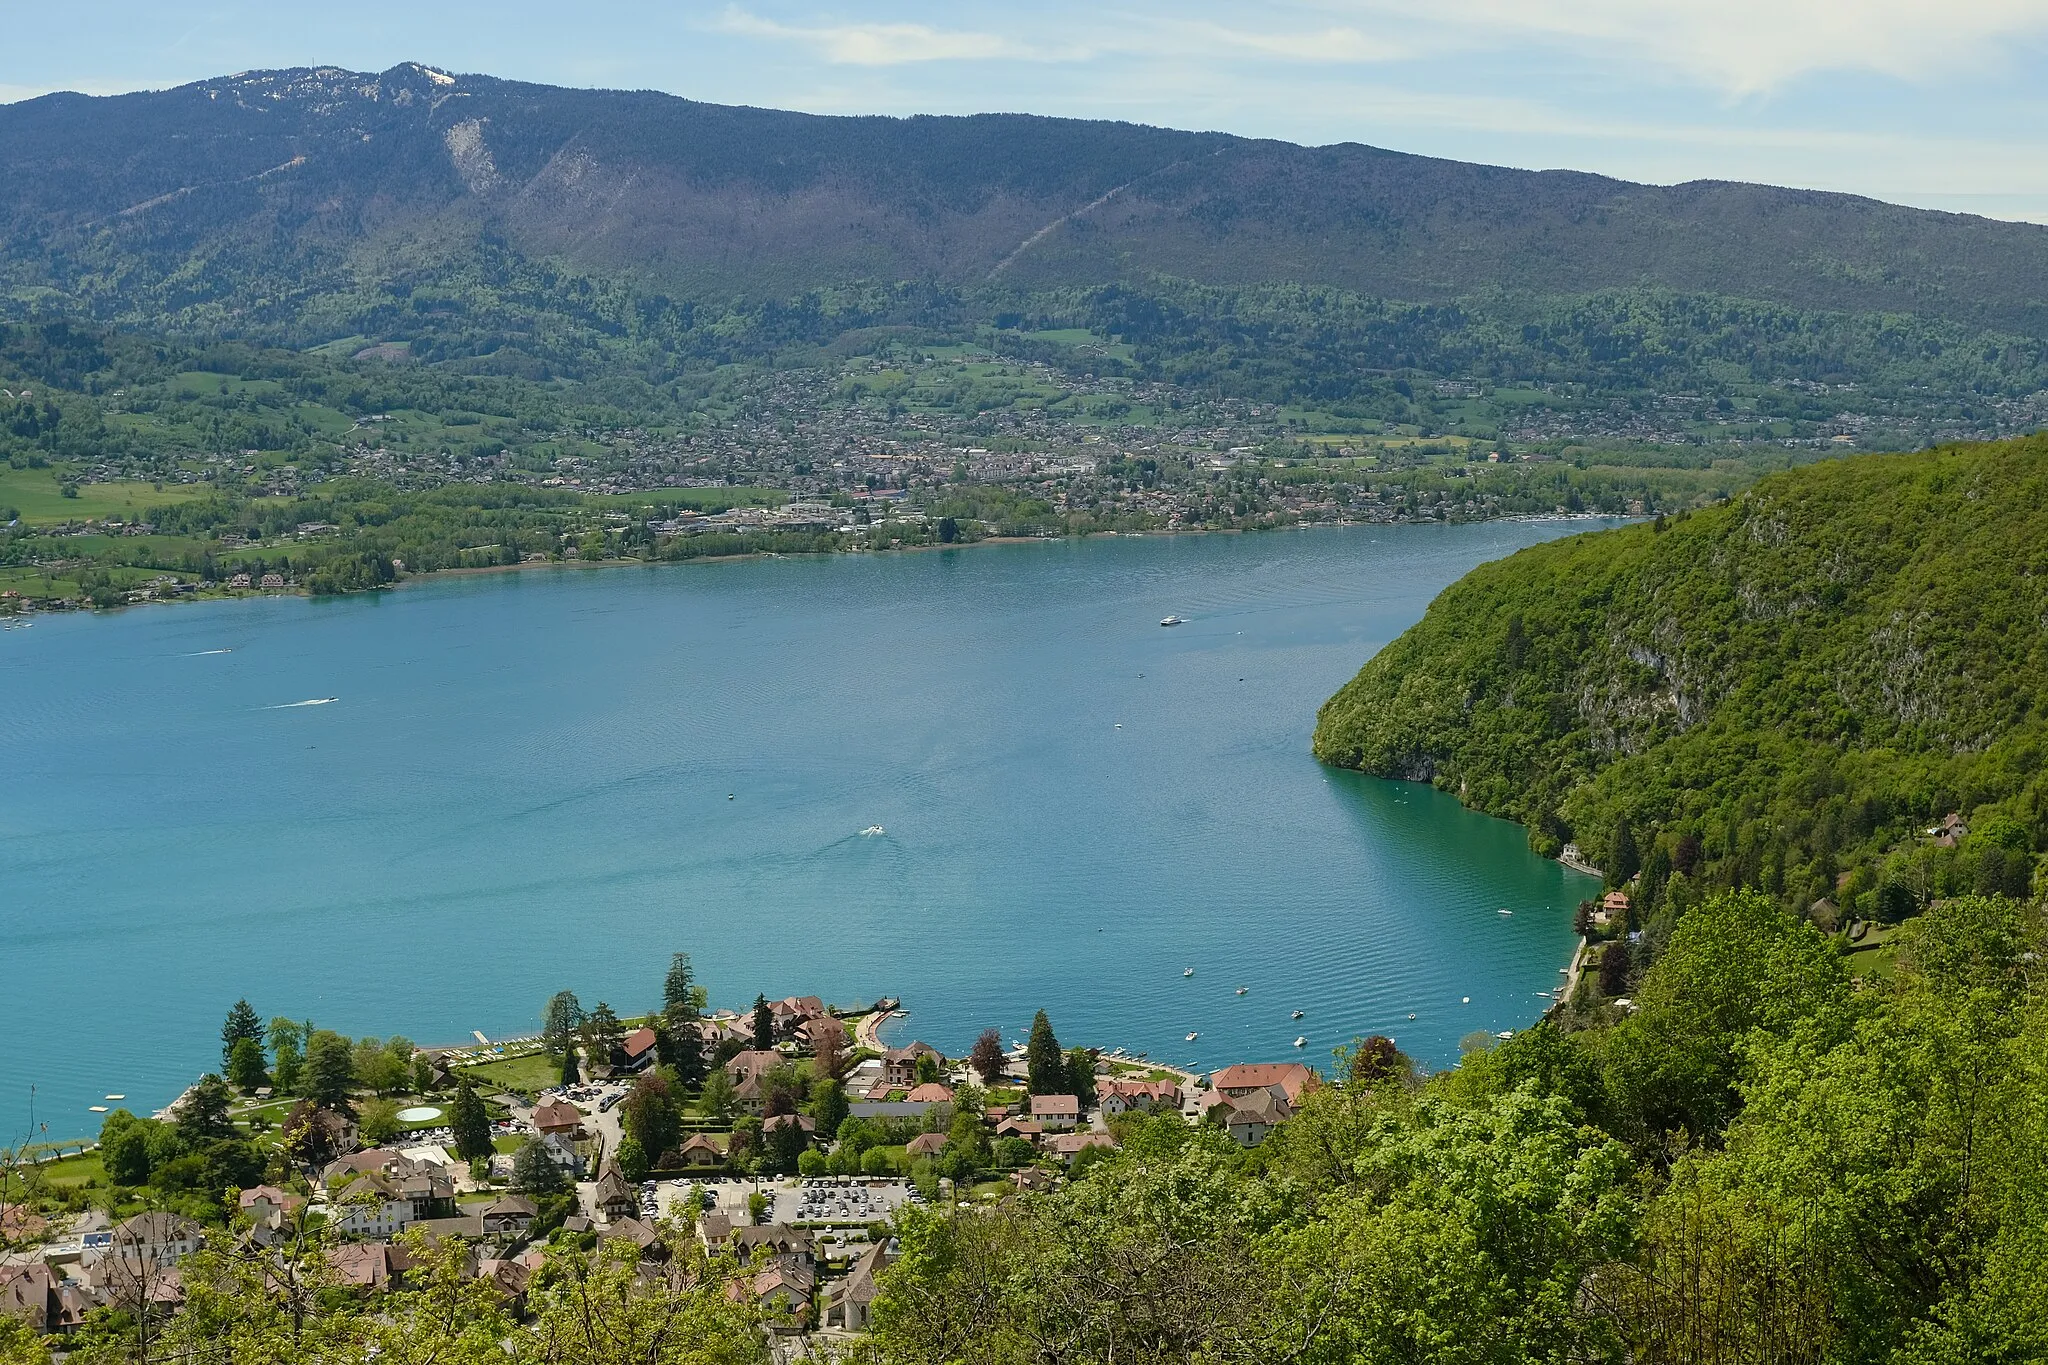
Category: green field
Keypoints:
(523, 1075)
(38, 495)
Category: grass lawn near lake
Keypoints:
(525, 1075)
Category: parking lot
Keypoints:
(842, 1200)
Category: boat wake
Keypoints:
(310, 701)
(202, 653)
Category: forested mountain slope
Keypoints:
(243, 196)
(1783, 690)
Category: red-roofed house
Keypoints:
(639, 1048)
(899, 1064)
(558, 1116)
(1287, 1080)
(931, 1092)
(925, 1144)
(1119, 1097)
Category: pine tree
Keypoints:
(1044, 1064)
(534, 1171)
(203, 1114)
(329, 1071)
(560, 1019)
(471, 1124)
(764, 1024)
(679, 989)
(1623, 860)
(241, 1023)
(570, 1076)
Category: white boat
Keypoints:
(96, 1109)
(1297, 1014)
(1411, 1016)
(1169, 621)
(1193, 1036)
(1301, 1042)
(117, 1097)
(1189, 972)
(1465, 1000)
(873, 830)
(1505, 911)
(1240, 990)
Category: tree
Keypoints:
(602, 1034)
(1376, 1059)
(787, 1142)
(927, 1068)
(1624, 860)
(560, 1018)
(651, 1116)
(987, 1056)
(125, 1147)
(717, 1099)
(1045, 1066)
(534, 1170)
(679, 989)
(570, 1075)
(241, 1023)
(1614, 965)
(245, 1065)
(1081, 1075)
(764, 1024)
(289, 1073)
(471, 1123)
(330, 1070)
(632, 1158)
(203, 1113)
(828, 1105)
(378, 1121)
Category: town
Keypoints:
(778, 1142)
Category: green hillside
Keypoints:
(1783, 690)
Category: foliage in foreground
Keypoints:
(1823, 1176)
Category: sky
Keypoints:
(1938, 104)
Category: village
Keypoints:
(783, 1139)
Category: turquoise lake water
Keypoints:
(553, 779)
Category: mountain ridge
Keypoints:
(240, 190)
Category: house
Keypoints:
(1121, 1097)
(1028, 1129)
(558, 1117)
(161, 1239)
(637, 1231)
(267, 1206)
(1613, 909)
(1250, 1118)
(790, 1013)
(240, 580)
(1032, 1180)
(19, 1224)
(700, 1150)
(782, 1290)
(775, 1123)
(368, 1267)
(563, 1153)
(925, 1144)
(1286, 1080)
(822, 1034)
(931, 1092)
(36, 1294)
(1067, 1146)
(615, 1198)
(382, 1203)
(1951, 831)
(899, 1064)
(640, 1049)
(273, 580)
(1056, 1111)
(510, 1278)
(748, 1071)
(848, 1302)
(508, 1215)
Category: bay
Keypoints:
(552, 779)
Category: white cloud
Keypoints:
(1740, 46)
(887, 44)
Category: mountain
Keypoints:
(244, 199)
(1799, 682)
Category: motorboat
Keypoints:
(1241, 990)
(1169, 620)
(1192, 1036)
(1189, 972)
(1301, 1042)
(1296, 1014)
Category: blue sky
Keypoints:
(1937, 104)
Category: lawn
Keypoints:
(526, 1075)
(72, 1171)
(37, 494)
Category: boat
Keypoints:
(1169, 621)
(1297, 1014)
(1240, 990)
(96, 1109)
(1505, 911)
(1301, 1042)
(117, 1097)
(1411, 1016)
(1189, 972)
(1465, 1000)
(1193, 1036)
(873, 830)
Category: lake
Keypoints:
(552, 779)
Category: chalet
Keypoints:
(508, 1215)
(822, 1034)
(899, 1064)
(1613, 909)
(782, 1290)
(748, 1072)
(1249, 1118)
(1951, 831)
(1056, 1111)
(1067, 1146)
(775, 1123)
(1033, 1179)
(562, 1151)
(558, 1117)
(925, 1144)
(273, 580)
(267, 1206)
(1286, 1080)
(615, 1198)
(700, 1150)
(637, 1231)
(1120, 1097)
(367, 1267)
(931, 1092)
(1028, 1129)
(792, 1012)
(848, 1302)
(640, 1049)
(49, 1303)
(510, 1278)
